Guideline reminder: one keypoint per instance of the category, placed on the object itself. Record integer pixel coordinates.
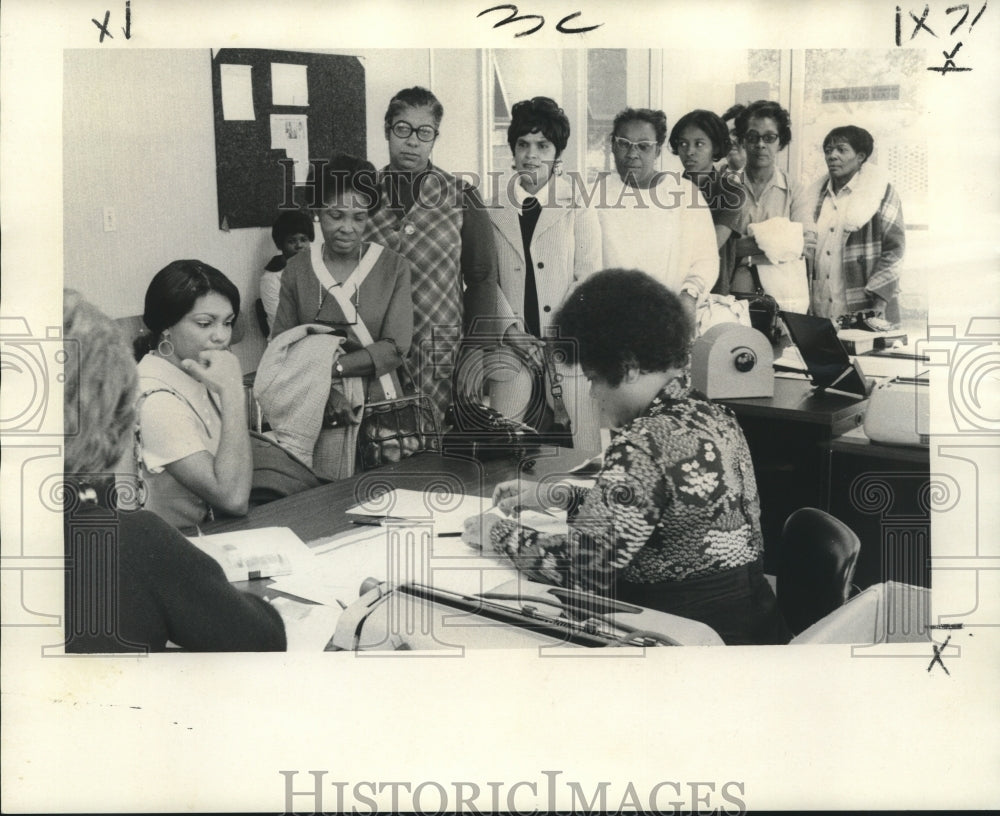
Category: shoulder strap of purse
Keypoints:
(559, 414)
(339, 293)
(758, 286)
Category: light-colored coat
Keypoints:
(565, 249)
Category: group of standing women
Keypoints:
(409, 268)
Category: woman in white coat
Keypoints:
(546, 241)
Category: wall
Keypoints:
(138, 136)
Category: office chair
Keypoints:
(819, 554)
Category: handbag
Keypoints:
(481, 432)
(396, 427)
(763, 308)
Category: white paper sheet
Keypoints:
(289, 84)
(290, 132)
(237, 92)
(875, 366)
(261, 553)
(446, 511)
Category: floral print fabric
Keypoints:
(676, 499)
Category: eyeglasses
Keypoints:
(425, 132)
(753, 137)
(625, 145)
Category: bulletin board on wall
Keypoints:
(274, 112)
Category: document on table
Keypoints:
(262, 553)
(397, 553)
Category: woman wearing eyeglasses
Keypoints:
(440, 225)
(547, 241)
(358, 288)
(655, 221)
(764, 129)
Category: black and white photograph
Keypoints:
(642, 453)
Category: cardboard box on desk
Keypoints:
(732, 361)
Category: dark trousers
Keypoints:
(737, 603)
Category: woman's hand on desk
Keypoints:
(521, 494)
(478, 529)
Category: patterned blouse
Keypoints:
(676, 498)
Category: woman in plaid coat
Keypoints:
(861, 234)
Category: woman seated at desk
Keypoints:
(194, 451)
(673, 521)
(133, 582)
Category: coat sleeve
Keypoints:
(396, 332)
(203, 611)
(287, 315)
(699, 253)
(883, 278)
(479, 265)
(589, 249)
(616, 519)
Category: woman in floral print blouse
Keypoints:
(673, 521)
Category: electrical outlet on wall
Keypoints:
(110, 220)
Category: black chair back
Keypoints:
(819, 554)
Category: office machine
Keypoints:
(899, 412)
(827, 361)
(519, 613)
(731, 361)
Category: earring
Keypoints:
(557, 169)
(169, 349)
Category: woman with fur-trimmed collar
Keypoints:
(861, 234)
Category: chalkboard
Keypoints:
(253, 180)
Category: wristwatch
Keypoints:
(339, 369)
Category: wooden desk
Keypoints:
(319, 512)
(789, 436)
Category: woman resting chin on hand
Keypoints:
(194, 444)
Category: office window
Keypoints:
(521, 74)
(606, 91)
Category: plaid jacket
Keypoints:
(449, 289)
(873, 248)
